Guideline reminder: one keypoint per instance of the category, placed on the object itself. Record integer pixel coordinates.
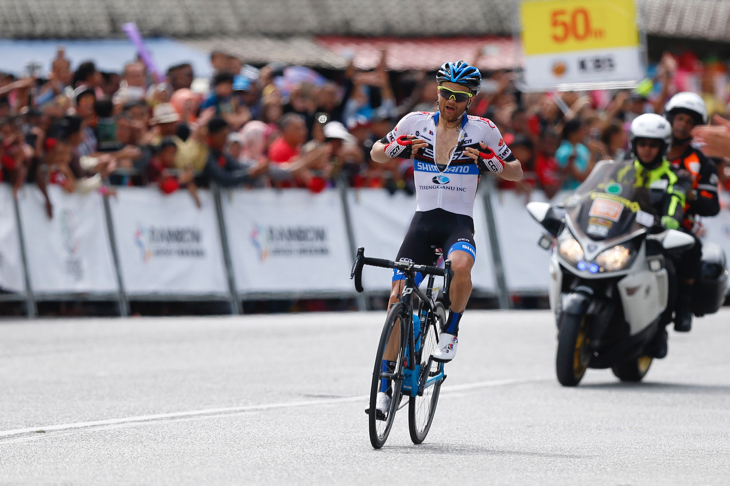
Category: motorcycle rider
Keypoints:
(650, 137)
(685, 111)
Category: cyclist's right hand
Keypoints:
(404, 147)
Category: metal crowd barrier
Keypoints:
(31, 297)
(502, 214)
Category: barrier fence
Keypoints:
(245, 244)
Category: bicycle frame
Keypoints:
(413, 378)
(415, 382)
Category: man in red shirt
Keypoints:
(287, 147)
(549, 175)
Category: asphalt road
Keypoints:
(280, 400)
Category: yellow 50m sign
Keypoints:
(580, 41)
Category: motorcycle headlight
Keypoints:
(616, 258)
(569, 248)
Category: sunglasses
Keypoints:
(458, 96)
(648, 143)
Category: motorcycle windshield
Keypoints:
(607, 204)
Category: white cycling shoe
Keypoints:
(382, 403)
(446, 348)
(382, 406)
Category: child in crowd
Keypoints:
(161, 170)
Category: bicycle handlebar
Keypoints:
(408, 268)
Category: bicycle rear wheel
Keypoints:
(379, 427)
(421, 409)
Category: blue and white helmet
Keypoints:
(460, 73)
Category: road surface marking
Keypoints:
(227, 411)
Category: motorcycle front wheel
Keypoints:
(573, 350)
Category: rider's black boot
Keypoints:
(683, 311)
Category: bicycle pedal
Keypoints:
(378, 416)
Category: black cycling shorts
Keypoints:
(439, 228)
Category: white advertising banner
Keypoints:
(166, 244)
(11, 262)
(287, 241)
(69, 253)
(525, 263)
(380, 222)
(580, 42)
(482, 276)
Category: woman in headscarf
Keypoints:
(253, 142)
(255, 137)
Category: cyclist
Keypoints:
(685, 111)
(650, 137)
(450, 149)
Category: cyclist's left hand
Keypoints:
(486, 158)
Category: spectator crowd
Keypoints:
(284, 127)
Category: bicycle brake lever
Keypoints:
(358, 256)
(357, 269)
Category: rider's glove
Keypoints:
(401, 147)
(670, 223)
(489, 161)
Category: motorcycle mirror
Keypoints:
(676, 240)
(538, 210)
(544, 214)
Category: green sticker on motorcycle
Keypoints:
(614, 188)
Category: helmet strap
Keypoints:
(653, 164)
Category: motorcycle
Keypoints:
(613, 282)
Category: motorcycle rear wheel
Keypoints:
(634, 370)
(573, 357)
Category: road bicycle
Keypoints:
(415, 324)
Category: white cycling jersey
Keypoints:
(452, 187)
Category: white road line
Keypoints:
(230, 410)
(484, 384)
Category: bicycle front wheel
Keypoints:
(421, 409)
(395, 327)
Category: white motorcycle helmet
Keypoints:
(689, 103)
(655, 127)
